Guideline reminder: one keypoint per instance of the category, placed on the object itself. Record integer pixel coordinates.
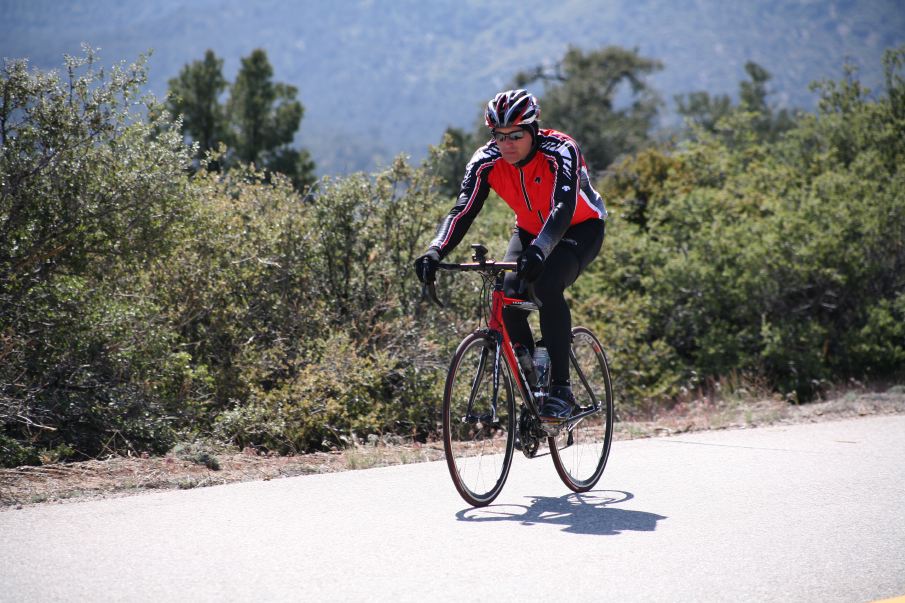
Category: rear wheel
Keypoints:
(580, 453)
(478, 420)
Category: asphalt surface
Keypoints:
(810, 512)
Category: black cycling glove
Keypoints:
(530, 263)
(426, 266)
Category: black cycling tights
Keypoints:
(579, 245)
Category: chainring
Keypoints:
(527, 430)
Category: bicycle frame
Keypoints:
(499, 301)
(497, 329)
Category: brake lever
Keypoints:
(429, 290)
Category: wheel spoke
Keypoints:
(580, 452)
(579, 369)
(478, 421)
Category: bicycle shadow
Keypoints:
(588, 513)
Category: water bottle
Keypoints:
(542, 365)
(527, 364)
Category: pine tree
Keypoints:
(258, 122)
(580, 99)
(195, 95)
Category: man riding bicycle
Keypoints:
(542, 176)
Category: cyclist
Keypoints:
(542, 176)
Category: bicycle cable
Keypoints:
(485, 298)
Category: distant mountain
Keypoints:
(379, 77)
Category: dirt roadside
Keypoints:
(193, 467)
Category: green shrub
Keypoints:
(197, 453)
(15, 454)
(341, 398)
(90, 191)
(784, 261)
(298, 313)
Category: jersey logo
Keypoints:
(566, 188)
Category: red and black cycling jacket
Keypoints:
(549, 192)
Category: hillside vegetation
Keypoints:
(382, 77)
(144, 303)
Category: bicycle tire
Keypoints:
(478, 449)
(580, 454)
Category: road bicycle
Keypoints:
(482, 427)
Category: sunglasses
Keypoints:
(517, 135)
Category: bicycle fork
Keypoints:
(493, 417)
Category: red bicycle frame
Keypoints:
(498, 301)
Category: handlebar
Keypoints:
(489, 268)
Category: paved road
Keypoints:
(799, 513)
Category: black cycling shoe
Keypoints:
(560, 404)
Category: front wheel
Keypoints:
(580, 452)
(478, 420)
